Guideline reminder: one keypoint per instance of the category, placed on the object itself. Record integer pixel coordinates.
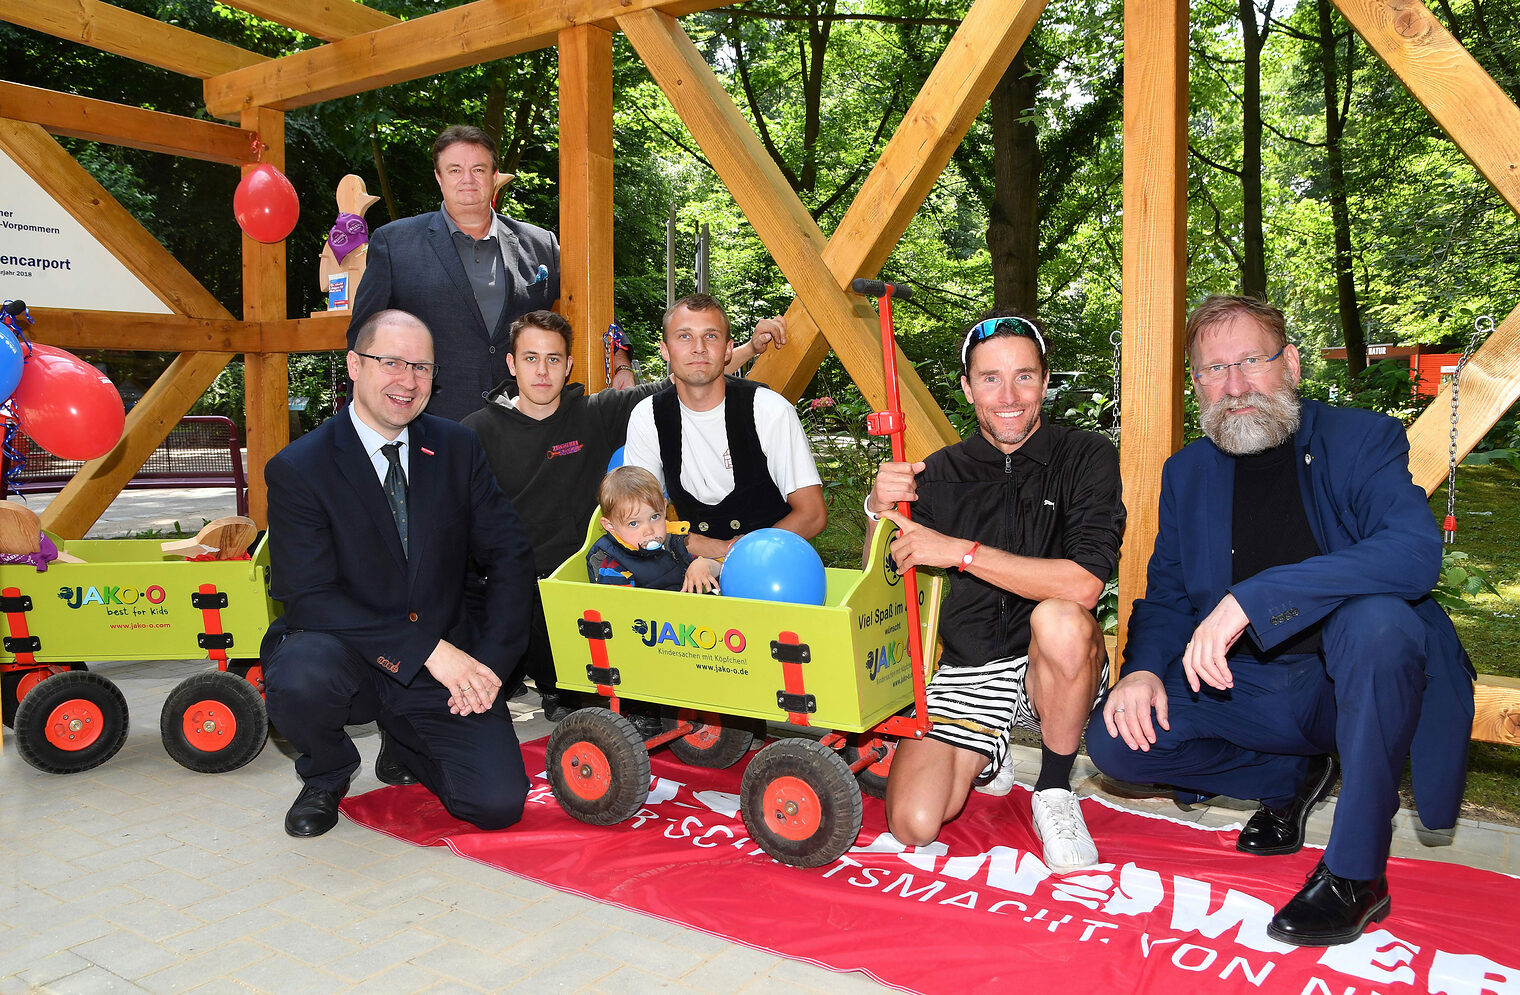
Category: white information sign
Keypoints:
(48, 259)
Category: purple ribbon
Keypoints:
(347, 234)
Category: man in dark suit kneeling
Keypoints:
(371, 520)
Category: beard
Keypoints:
(1272, 422)
(1008, 435)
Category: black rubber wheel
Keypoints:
(719, 741)
(800, 802)
(213, 722)
(14, 684)
(71, 722)
(598, 766)
(873, 779)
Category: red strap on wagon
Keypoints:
(213, 638)
(600, 673)
(15, 623)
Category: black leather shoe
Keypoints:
(390, 770)
(555, 707)
(315, 812)
(1273, 831)
(1330, 909)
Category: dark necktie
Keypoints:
(395, 489)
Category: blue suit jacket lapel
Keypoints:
(442, 241)
(1216, 521)
(354, 463)
(422, 490)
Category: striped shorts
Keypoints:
(975, 708)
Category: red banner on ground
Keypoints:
(1172, 904)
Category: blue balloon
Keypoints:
(12, 359)
(774, 565)
(617, 459)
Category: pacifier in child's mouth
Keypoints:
(653, 545)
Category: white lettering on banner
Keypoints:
(1374, 956)
(983, 882)
(1471, 974)
(1190, 914)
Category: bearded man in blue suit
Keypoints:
(372, 519)
(1287, 618)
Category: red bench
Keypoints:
(201, 451)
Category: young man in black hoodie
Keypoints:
(549, 445)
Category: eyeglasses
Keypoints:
(1021, 327)
(398, 367)
(1250, 366)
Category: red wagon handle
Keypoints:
(893, 424)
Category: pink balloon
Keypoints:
(67, 406)
(265, 204)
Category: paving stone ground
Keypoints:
(143, 876)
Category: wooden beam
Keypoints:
(82, 501)
(96, 485)
(118, 124)
(325, 19)
(143, 39)
(266, 376)
(80, 331)
(780, 220)
(952, 97)
(1448, 83)
(1489, 386)
(585, 195)
(1155, 272)
(1496, 710)
(77, 192)
(466, 35)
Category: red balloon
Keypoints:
(265, 204)
(67, 406)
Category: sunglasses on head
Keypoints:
(986, 329)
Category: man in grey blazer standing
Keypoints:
(466, 271)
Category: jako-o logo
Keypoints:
(884, 658)
(78, 597)
(654, 632)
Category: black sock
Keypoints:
(1055, 768)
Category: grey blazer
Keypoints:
(413, 265)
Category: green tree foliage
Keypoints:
(1427, 245)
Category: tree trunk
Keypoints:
(1013, 222)
(1253, 270)
(1340, 212)
(386, 194)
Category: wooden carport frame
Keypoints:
(367, 48)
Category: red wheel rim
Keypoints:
(29, 680)
(75, 725)
(587, 772)
(255, 676)
(792, 810)
(704, 737)
(209, 725)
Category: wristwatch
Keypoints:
(966, 560)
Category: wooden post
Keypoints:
(1155, 271)
(95, 486)
(266, 376)
(585, 195)
(783, 224)
(944, 110)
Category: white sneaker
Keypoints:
(1002, 779)
(1058, 823)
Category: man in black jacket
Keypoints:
(1031, 516)
(549, 445)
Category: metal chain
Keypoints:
(1114, 339)
(1481, 327)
